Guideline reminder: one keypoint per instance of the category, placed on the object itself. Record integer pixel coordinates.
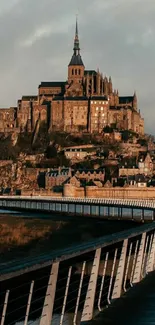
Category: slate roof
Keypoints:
(52, 84)
(139, 178)
(58, 97)
(99, 98)
(76, 98)
(128, 163)
(92, 171)
(120, 107)
(126, 99)
(76, 60)
(57, 172)
(90, 72)
(29, 97)
(142, 156)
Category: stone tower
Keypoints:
(76, 66)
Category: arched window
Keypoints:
(79, 71)
(72, 71)
(75, 71)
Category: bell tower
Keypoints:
(76, 66)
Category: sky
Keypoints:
(116, 36)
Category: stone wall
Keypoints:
(73, 191)
(111, 192)
(121, 193)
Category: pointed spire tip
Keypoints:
(76, 29)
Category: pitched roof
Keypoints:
(90, 72)
(76, 98)
(117, 108)
(76, 60)
(69, 98)
(58, 98)
(52, 84)
(92, 171)
(29, 98)
(99, 97)
(126, 99)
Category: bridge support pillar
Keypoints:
(142, 215)
(139, 262)
(108, 212)
(120, 272)
(132, 214)
(151, 257)
(47, 311)
(88, 308)
(29, 303)
(4, 307)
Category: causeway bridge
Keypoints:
(74, 285)
(142, 210)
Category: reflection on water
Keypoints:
(10, 212)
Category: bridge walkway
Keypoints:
(136, 307)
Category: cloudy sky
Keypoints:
(116, 36)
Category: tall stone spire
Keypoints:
(76, 58)
(76, 48)
(76, 67)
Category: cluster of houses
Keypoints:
(125, 172)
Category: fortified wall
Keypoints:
(113, 192)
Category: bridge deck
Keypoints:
(136, 307)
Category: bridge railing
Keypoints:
(73, 285)
(104, 208)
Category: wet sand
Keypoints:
(32, 234)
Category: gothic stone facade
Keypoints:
(86, 102)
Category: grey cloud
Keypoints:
(117, 36)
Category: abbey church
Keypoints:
(86, 102)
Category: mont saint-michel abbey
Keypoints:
(86, 102)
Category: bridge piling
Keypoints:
(127, 267)
(102, 281)
(151, 256)
(144, 261)
(65, 295)
(5, 307)
(112, 276)
(79, 294)
(139, 261)
(29, 303)
(87, 313)
(47, 311)
(120, 272)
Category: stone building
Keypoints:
(86, 102)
